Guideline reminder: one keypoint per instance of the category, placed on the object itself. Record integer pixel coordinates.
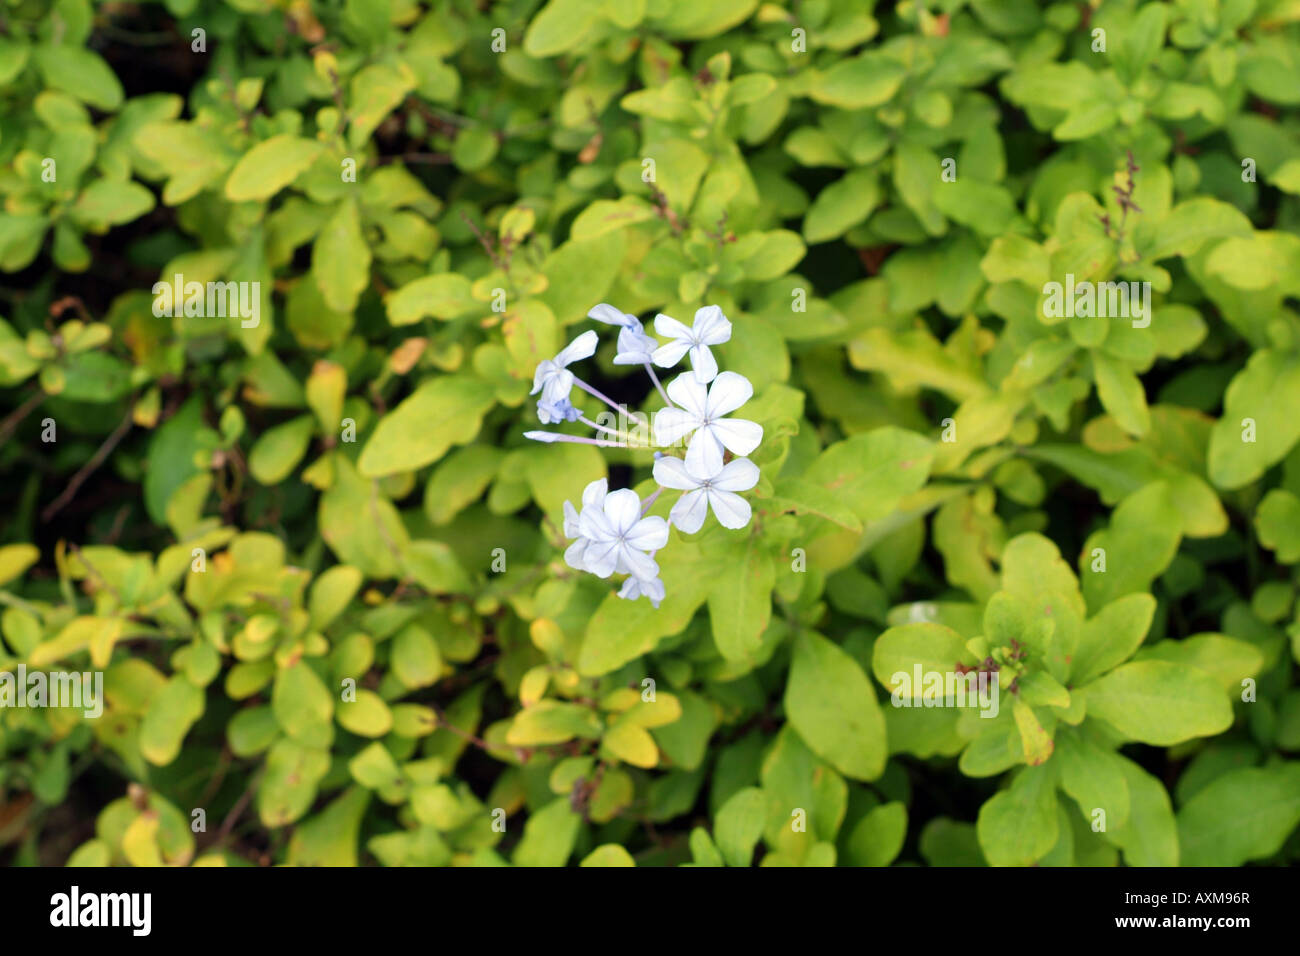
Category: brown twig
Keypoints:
(15, 417)
(89, 467)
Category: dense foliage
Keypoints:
(322, 572)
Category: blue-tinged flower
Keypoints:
(552, 378)
(618, 537)
(611, 316)
(634, 346)
(711, 327)
(558, 411)
(635, 587)
(716, 490)
(593, 496)
(700, 412)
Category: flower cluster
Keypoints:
(613, 532)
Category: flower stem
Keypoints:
(579, 439)
(600, 395)
(601, 428)
(655, 378)
(645, 508)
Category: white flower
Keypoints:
(634, 346)
(552, 378)
(716, 490)
(710, 328)
(702, 411)
(618, 537)
(558, 411)
(593, 496)
(635, 587)
(611, 316)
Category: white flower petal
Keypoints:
(739, 474)
(738, 435)
(666, 356)
(703, 364)
(608, 314)
(570, 521)
(648, 534)
(622, 510)
(637, 563)
(732, 511)
(574, 554)
(690, 510)
(671, 473)
(689, 394)
(601, 557)
(670, 328)
(557, 386)
(545, 369)
(728, 392)
(584, 346)
(711, 326)
(593, 524)
(593, 496)
(671, 425)
(704, 453)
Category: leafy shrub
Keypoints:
(299, 532)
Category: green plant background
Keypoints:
(1109, 515)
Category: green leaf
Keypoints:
(443, 296)
(15, 559)
(1227, 660)
(866, 80)
(361, 526)
(1019, 825)
(1094, 777)
(270, 166)
(841, 206)
(878, 837)
(330, 838)
(610, 854)
(288, 786)
(376, 90)
(552, 722)
(302, 704)
(620, 631)
(367, 716)
(549, 835)
(871, 471)
(1277, 522)
(560, 26)
(1160, 703)
(278, 450)
(340, 259)
(169, 718)
(833, 706)
(804, 498)
(442, 412)
(81, 73)
(1121, 393)
(1188, 226)
(740, 603)
(1150, 835)
(739, 824)
(1244, 815)
(1142, 539)
(107, 203)
(1258, 427)
(1111, 636)
(900, 649)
